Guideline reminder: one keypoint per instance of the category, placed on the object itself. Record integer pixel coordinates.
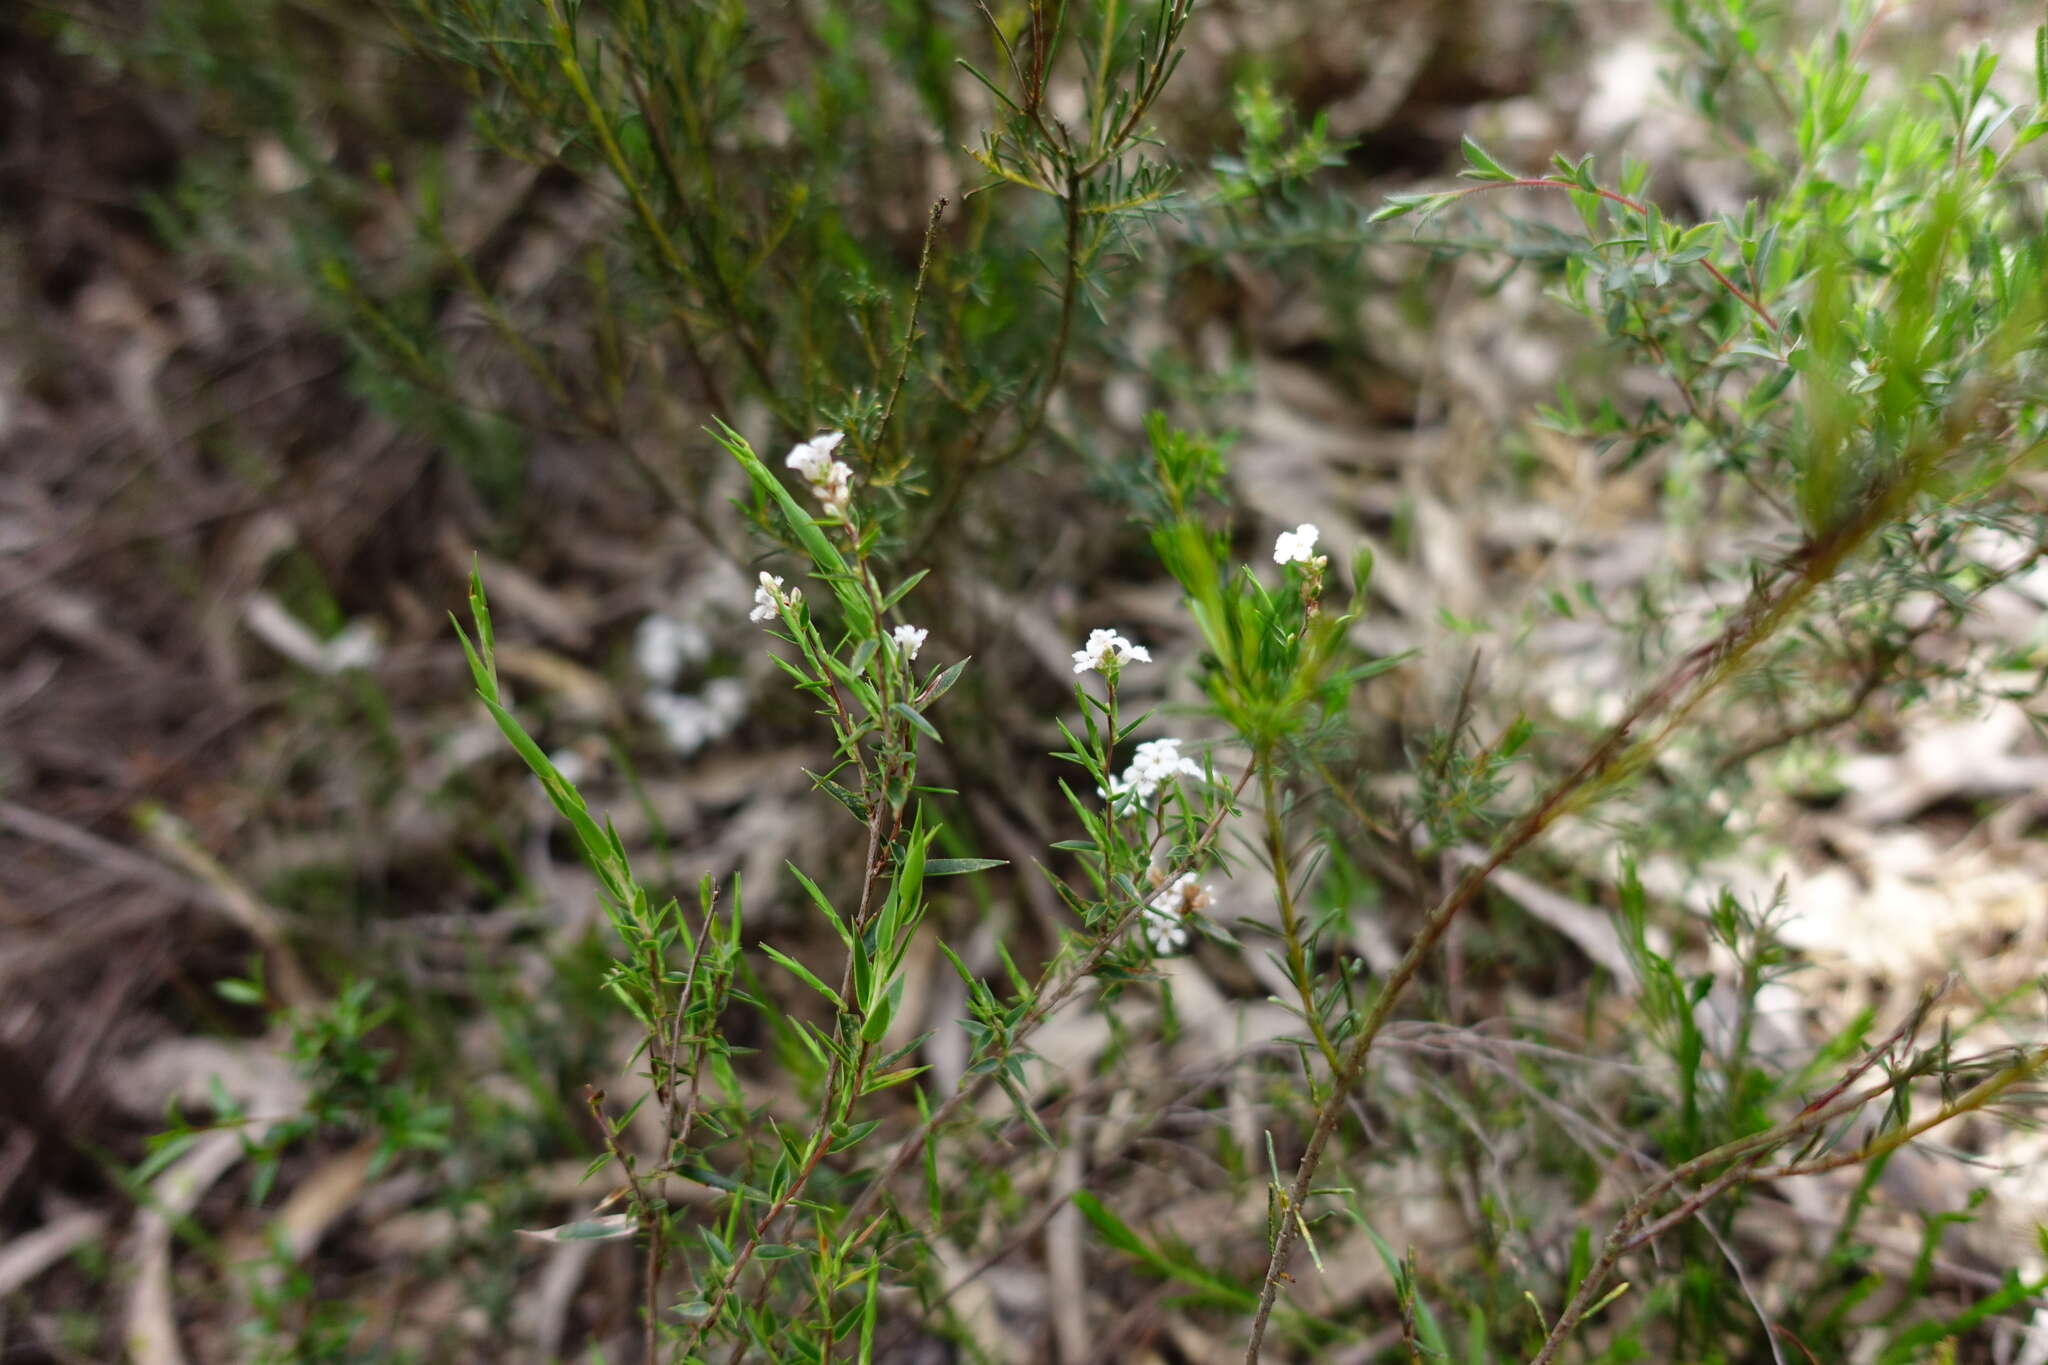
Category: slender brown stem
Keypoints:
(2025, 1068)
(924, 260)
(842, 1087)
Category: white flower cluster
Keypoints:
(665, 648)
(1107, 651)
(770, 599)
(1297, 546)
(909, 639)
(830, 480)
(1164, 923)
(1155, 763)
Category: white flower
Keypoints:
(1164, 922)
(663, 646)
(770, 599)
(1297, 546)
(1155, 763)
(830, 480)
(1108, 647)
(909, 639)
(813, 457)
(835, 490)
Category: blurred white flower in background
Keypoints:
(689, 723)
(356, 646)
(664, 646)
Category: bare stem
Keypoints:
(924, 260)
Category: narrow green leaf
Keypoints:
(803, 974)
(1478, 165)
(612, 1227)
(918, 722)
(870, 1314)
(1112, 1228)
(902, 590)
(819, 899)
(954, 867)
(889, 1078)
(1401, 205)
(942, 684)
(843, 795)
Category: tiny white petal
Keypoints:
(1106, 645)
(1297, 546)
(909, 639)
(1154, 763)
(769, 597)
(813, 458)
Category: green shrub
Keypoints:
(919, 228)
